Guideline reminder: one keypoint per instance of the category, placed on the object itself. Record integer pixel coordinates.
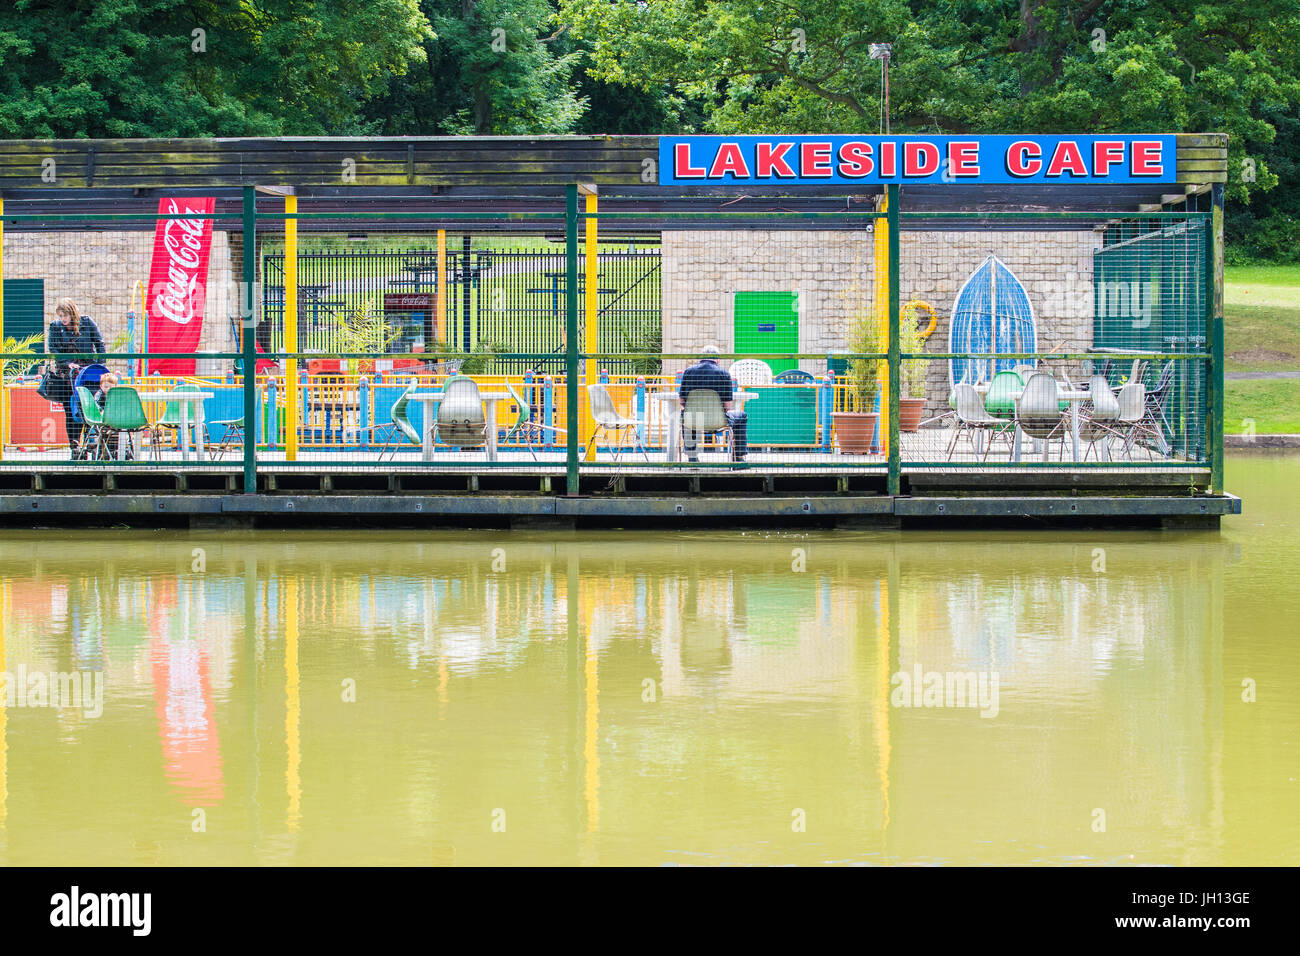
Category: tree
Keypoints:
(964, 65)
(118, 68)
(493, 67)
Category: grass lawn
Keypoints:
(1261, 307)
(1262, 318)
(1274, 404)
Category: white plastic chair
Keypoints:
(751, 372)
(1131, 420)
(605, 414)
(704, 414)
(1099, 415)
(1038, 412)
(461, 422)
(973, 418)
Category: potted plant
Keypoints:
(911, 404)
(855, 426)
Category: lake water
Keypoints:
(660, 698)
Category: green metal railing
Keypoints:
(1170, 257)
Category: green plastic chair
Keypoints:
(1000, 400)
(94, 419)
(521, 430)
(124, 412)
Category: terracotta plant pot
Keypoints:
(910, 411)
(854, 431)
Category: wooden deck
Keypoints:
(771, 489)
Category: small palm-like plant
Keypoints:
(11, 351)
(910, 339)
(863, 375)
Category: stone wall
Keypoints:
(702, 271)
(834, 271)
(98, 270)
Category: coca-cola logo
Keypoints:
(179, 297)
(399, 300)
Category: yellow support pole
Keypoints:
(882, 323)
(591, 325)
(290, 330)
(4, 386)
(4, 741)
(440, 313)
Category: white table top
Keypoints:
(438, 396)
(1069, 394)
(176, 396)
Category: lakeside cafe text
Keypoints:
(820, 160)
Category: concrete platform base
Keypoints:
(555, 512)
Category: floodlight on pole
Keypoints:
(883, 52)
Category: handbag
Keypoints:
(56, 385)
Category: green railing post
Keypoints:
(1214, 334)
(571, 334)
(248, 321)
(895, 369)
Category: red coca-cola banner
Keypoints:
(178, 282)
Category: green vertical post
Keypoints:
(895, 365)
(247, 301)
(571, 334)
(1214, 334)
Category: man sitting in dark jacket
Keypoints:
(707, 373)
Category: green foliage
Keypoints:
(912, 371)
(965, 65)
(119, 68)
(864, 374)
(482, 360)
(10, 366)
(367, 329)
(650, 343)
(499, 67)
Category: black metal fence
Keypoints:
(497, 300)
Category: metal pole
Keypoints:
(895, 370)
(248, 302)
(887, 58)
(1214, 335)
(465, 241)
(440, 308)
(571, 334)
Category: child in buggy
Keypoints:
(97, 379)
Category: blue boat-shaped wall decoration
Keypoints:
(992, 314)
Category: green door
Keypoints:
(768, 322)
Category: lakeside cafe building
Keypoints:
(920, 329)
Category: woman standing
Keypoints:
(71, 333)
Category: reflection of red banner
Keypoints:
(178, 283)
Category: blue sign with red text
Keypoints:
(971, 160)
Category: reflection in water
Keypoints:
(652, 698)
